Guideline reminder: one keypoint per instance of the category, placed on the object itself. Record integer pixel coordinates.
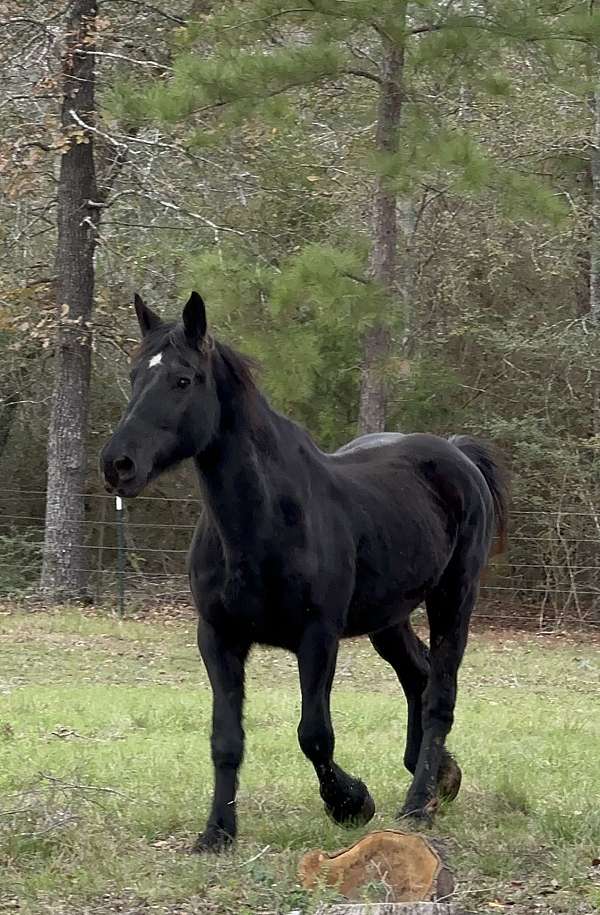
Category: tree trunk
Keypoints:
(595, 209)
(376, 342)
(594, 259)
(8, 412)
(64, 561)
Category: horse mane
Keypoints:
(241, 368)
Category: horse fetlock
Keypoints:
(419, 808)
(215, 839)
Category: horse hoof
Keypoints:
(366, 812)
(354, 810)
(449, 779)
(212, 841)
(420, 812)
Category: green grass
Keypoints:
(90, 703)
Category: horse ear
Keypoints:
(194, 320)
(147, 320)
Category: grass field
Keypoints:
(105, 774)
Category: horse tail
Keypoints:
(488, 460)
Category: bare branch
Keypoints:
(122, 140)
(131, 60)
(270, 18)
(61, 784)
(357, 279)
(420, 29)
(178, 20)
(365, 74)
(169, 205)
(487, 24)
(24, 20)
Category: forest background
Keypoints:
(394, 207)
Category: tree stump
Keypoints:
(390, 908)
(407, 866)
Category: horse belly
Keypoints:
(366, 615)
(387, 591)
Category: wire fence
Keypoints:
(136, 552)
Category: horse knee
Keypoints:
(227, 750)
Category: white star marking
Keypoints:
(156, 360)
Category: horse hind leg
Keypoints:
(400, 646)
(408, 656)
(449, 610)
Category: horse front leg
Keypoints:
(347, 799)
(225, 664)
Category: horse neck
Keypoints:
(234, 474)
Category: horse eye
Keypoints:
(183, 382)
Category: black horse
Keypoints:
(298, 549)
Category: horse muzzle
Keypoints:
(121, 470)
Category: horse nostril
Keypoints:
(124, 466)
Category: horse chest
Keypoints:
(265, 601)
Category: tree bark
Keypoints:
(376, 342)
(8, 412)
(594, 259)
(64, 562)
(595, 209)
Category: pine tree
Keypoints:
(401, 64)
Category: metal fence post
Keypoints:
(120, 553)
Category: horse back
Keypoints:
(413, 501)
